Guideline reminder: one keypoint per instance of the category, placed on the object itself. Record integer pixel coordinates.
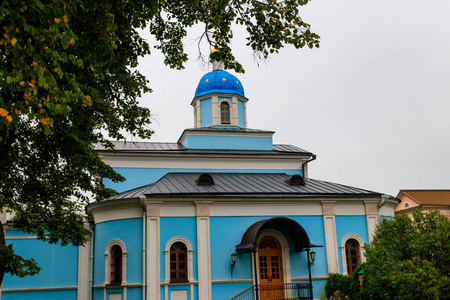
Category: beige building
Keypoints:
(427, 199)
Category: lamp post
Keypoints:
(233, 262)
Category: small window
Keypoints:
(406, 205)
(205, 179)
(224, 113)
(296, 180)
(352, 254)
(116, 265)
(178, 262)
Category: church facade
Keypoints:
(222, 212)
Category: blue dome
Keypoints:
(219, 81)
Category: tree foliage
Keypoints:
(68, 82)
(409, 258)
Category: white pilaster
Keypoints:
(203, 251)
(153, 251)
(84, 270)
(215, 110)
(371, 217)
(331, 247)
(234, 112)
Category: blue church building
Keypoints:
(223, 213)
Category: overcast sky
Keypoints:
(373, 102)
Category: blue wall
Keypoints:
(59, 264)
(241, 113)
(136, 177)
(206, 112)
(129, 231)
(350, 224)
(227, 232)
(228, 142)
(178, 226)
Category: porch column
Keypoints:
(331, 247)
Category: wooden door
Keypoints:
(270, 271)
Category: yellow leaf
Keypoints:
(6, 35)
(3, 112)
(88, 98)
(66, 20)
(40, 104)
(22, 83)
(45, 121)
(27, 96)
(57, 20)
(13, 41)
(2, 41)
(9, 118)
(17, 112)
(32, 85)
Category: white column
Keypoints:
(203, 251)
(84, 270)
(153, 250)
(371, 217)
(331, 247)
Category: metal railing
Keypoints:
(276, 291)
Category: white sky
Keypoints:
(373, 102)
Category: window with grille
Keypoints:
(116, 265)
(224, 113)
(352, 249)
(178, 262)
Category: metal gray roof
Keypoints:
(155, 147)
(242, 185)
(227, 129)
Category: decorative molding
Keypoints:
(202, 208)
(108, 261)
(128, 285)
(328, 208)
(190, 259)
(245, 208)
(344, 255)
(371, 207)
(40, 289)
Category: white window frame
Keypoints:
(108, 261)
(190, 259)
(344, 255)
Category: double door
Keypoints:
(270, 271)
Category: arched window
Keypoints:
(178, 262)
(352, 252)
(178, 255)
(224, 113)
(115, 263)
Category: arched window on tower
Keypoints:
(178, 262)
(116, 265)
(224, 113)
(352, 253)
